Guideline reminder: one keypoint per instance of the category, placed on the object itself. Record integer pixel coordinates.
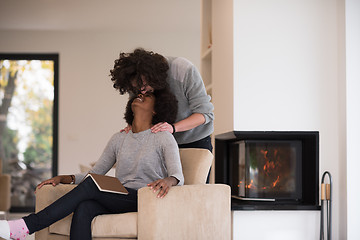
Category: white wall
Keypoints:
(287, 75)
(353, 116)
(279, 225)
(90, 110)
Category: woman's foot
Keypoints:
(18, 229)
(4, 229)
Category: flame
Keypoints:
(251, 184)
(276, 181)
(276, 152)
(264, 152)
(271, 164)
(268, 166)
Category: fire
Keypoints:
(251, 184)
(276, 181)
(269, 165)
(269, 168)
(264, 152)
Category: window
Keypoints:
(28, 123)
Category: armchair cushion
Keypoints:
(103, 225)
(195, 164)
(125, 227)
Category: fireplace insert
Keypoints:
(266, 170)
(278, 169)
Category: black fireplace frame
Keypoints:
(310, 166)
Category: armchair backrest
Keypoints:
(195, 163)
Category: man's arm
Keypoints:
(194, 120)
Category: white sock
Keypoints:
(4, 230)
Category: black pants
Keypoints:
(202, 143)
(86, 202)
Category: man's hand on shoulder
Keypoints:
(162, 127)
(126, 129)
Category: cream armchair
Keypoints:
(193, 211)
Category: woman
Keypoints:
(144, 71)
(142, 159)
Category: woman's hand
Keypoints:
(126, 129)
(163, 185)
(54, 181)
(162, 127)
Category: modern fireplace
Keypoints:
(269, 170)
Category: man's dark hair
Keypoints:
(131, 66)
(165, 107)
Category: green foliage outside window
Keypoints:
(26, 123)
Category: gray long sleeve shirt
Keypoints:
(140, 158)
(187, 85)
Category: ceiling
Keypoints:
(87, 15)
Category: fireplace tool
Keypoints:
(326, 198)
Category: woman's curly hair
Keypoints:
(165, 107)
(131, 66)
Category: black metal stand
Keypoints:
(326, 198)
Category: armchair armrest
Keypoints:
(186, 212)
(46, 196)
(49, 194)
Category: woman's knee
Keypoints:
(83, 208)
(89, 209)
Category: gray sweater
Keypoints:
(140, 158)
(187, 85)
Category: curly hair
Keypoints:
(165, 107)
(131, 66)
